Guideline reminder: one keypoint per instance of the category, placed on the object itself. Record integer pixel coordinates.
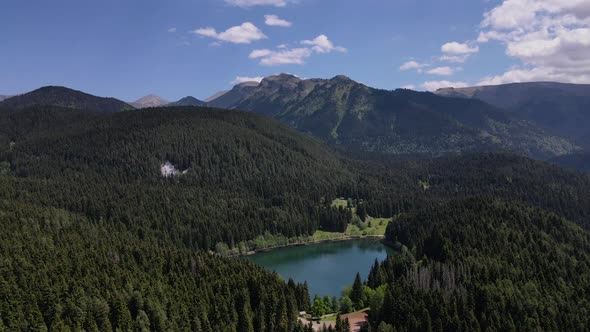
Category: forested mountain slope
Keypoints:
(239, 174)
(63, 272)
(95, 238)
(114, 205)
(64, 97)
(187, 101)
(580, 161)
(485, 264)
(396, 187)
(562, 109)
(236, 175)
(350, 114)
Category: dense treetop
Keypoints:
(485, 264)
(151, 192)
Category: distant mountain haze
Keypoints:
(579, 161)
(514, 94)
(64, 97)
(2, 97)
(150, 100)
(215, 95)
(230, 98)
(562, 109)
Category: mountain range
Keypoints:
(560, 108)
(64, 97)
(97, 237)
(357, 118)
(351, 115)
(188, 101)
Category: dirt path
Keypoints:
(356, 320)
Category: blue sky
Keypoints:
(174, 48)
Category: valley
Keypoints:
(355, 118)
(353, 229)
(295, 166)
(471, 229)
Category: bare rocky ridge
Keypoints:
(150, 100)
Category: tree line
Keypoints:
(483, 265)
(89, 222)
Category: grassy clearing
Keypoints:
(340, 202)
(322, 236)
(371, 226)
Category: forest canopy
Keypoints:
(97, 236)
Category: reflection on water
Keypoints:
(327, 267)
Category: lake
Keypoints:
(328, 267)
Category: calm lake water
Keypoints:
(328, 267)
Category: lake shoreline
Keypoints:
(327, 266)
(303, 244)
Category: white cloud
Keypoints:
(525, 14)
(251, 3)
(510, 14)
(409, 86)
(536, 74)
(260, 53)
(435, 85)
(274, 20)
(285, 55)
(241, 34)
(171, 30)
(486, 36)
(281, 57)
(322, 44)
(412, 65)
(454, 58)
(443, 71)
(242, 79)
(458, 48)
(551, 38)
